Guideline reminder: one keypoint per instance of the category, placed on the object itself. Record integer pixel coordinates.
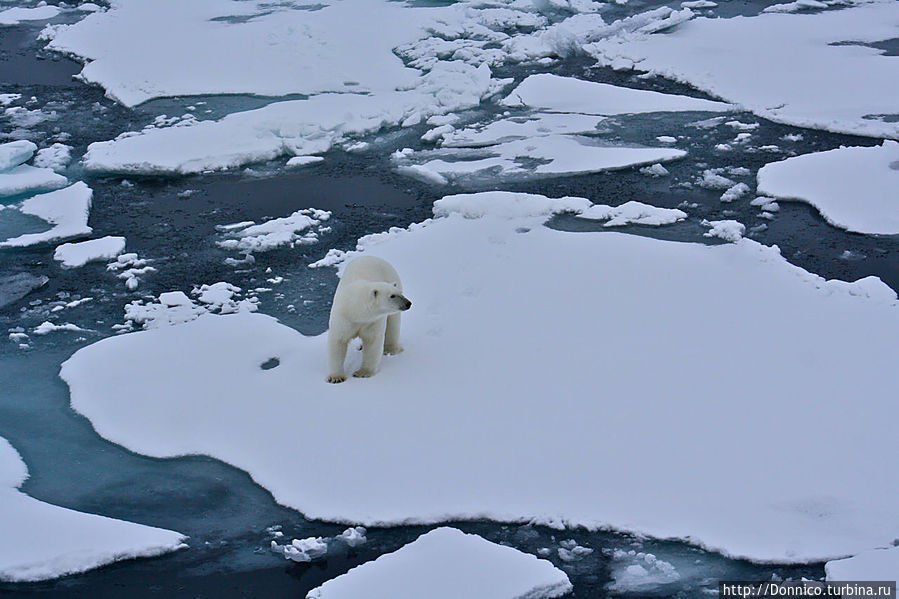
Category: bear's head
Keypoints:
(386, 298)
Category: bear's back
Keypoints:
(370, 268)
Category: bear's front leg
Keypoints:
(392, 336)
(372, 348)
(336, 357)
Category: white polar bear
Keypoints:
(367, 304)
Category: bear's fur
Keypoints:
(367, 304)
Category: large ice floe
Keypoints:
(877, 564)
(854, 188)
(537, 364)
(66, 209)
(446, 564)
(809, 70)
(41, 541)
(550, 139)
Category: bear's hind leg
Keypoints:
(392, 335)
(372, 348)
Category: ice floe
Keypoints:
(300, 228)
(55, 157)
(550, 155)
(877, 564)
(42, 541)
(73, 255)
(66, 209)
(446, 564)
(633, 212)
(28, 179)
(859, 83)
(728, 230)
(14, 16)
(854, 188)
(15, 153)
(553, 93)
(496, 365)
(638, 571)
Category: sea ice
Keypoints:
(42, 541)
(66, 209)
(653, 313)
(28, 179)
(553, 93)
(854, 188)
(784, 54)
(73, 255)
(877, 564)
(14, 16)
(15, 153)
(728, 230)
(55, 157)
(302, 227)
(633, 212)
(447, 564)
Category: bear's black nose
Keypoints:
(408, 305)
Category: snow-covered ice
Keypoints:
(666, 357)
(447, 564)
(66, 209)
(55, 157)
(877, 564)
(519, 127)
(73, 255)
(773, 65)
(553, 93)
(42, 541)
(28, 179)
(555, 155)
(855, 188)
(301, 227)
(15, 153)
(637, 571)
(728, 230)
(735, 192)
(14, 16)
(633, 212)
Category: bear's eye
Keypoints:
(375, 293)
(393, 296)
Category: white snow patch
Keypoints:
(41, 541)
(300, 228)
(73, 255)
(854, 188)
(656, 170)
(639, 296)
(735, 192)
(28, 179)
(48, 327)
(15, 153)
(55, 157)
(66, 209)
(14, 16)
(129, 267)
(446, 564)
(303, 160)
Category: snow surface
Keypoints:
(780, 66)
(553, 93)
(73, 255)
(66, 209)
(667, 360)
(854, 188)
(633, 212)
(15, 153)
(42, 541)
(877, 564)
(447, 564)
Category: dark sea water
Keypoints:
(224, 513)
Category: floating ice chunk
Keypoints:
(47, 327)
(766, 204)
(666, 139)
(7, 99)
(728, 230)
(859, 83)
(73, 255)
(303, 160)
(623, 289)
(302, 550)
(713, 179)
(75, 541)
(15, 153)
(878, 564)
(130, 268)
(446, 564)
(353, 537)
(15, 287)
(55, 157)
(633, 212)
(853, 188)
(699, 4)
(530, 126)
(553, 93)
(14, 16)
(735, 192)
(570, 551)
(656, 170)
(507, 204)
(552, 155)
(66, 209)
(300, 228)
(28, 179)
(795, 6)
(634, 571)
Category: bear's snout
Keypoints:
(406, 304)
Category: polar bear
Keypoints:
(367, 304)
